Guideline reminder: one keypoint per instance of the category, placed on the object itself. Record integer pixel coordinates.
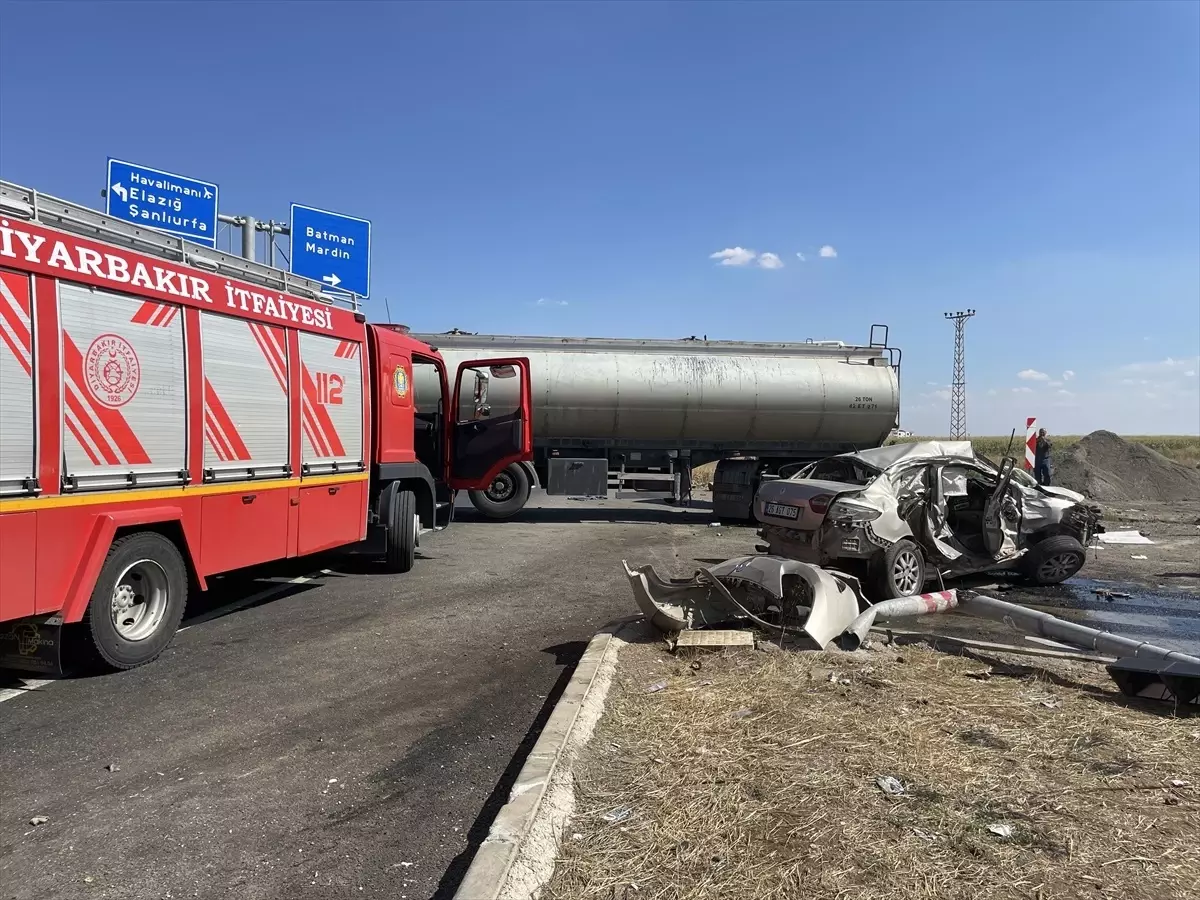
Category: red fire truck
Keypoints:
(169, 412)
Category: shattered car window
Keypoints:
(954, 482)
(842, 469)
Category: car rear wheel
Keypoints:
(1054, 559)
(900, 572)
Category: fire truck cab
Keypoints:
(169, 412)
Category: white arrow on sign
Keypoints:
(333, 280)
(120, 191)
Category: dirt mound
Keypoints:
(1106, 467)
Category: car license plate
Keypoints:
(782, 511)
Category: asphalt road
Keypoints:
(350, 737)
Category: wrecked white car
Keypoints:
(899, 516)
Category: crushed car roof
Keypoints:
(885, 457)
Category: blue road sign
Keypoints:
(164, 201)
(332, 249)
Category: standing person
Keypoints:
(1041, 458)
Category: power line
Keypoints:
(958, 387)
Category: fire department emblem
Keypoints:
(112, 370)
(400, 382)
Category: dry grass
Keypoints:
(1181, 448)
(754, 776)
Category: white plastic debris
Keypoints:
(889, 785)
(1139, 556)
(620, 814)
(39, 820)
(1001, 830)
(656, 687)
(1122, 537)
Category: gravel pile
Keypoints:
(1108, 468)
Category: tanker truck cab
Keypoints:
(436, 437)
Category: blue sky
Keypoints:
(570, 168)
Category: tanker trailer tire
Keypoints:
(507, 496)
(401, 531)
(138, 600)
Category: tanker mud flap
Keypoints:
(34, 645)
(822, 603)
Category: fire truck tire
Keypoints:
(138, 600)
(401, 531)
(507, 495)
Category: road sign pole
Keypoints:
(249, 231)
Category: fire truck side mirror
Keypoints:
(504, 371)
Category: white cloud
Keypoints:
(1032, 375)
(827, 252)
(1168, 366)
(1068, 375)
(544, 301)
(770, 261)
(1056, 384)
(933, 383)
(734, 256)
(1066, 393)
(1022, 390)
(1190, 373)
(801, 257)
(992, 392)
(942, 395)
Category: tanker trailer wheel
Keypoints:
(507, 495)
(138, 600)
(401, 530)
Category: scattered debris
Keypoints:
(1139, 556)
(889, 785)
(620, 814)
(766, 647)
(113, 767)
(1001, 830)
(1179, 782)
(39, 820)
(743, 713)
(835, 678)
(1122, 537)
(656, 687)
(715, 639)
(1052, 703)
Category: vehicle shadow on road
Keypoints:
(566, 655)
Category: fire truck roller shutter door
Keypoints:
(245, 398)
(332, 415)
(125, 391)
(17, 443)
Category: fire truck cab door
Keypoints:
(492, 421)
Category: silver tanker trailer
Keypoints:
(644, 412)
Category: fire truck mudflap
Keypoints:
(33, 645)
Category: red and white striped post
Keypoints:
(1030, 442)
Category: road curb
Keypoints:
(488, 873)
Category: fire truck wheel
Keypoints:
(507, 496)
(401, 531)
(138, 600)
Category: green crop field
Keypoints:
(1182, 448)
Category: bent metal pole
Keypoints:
(1036, 622)
(920, 605)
